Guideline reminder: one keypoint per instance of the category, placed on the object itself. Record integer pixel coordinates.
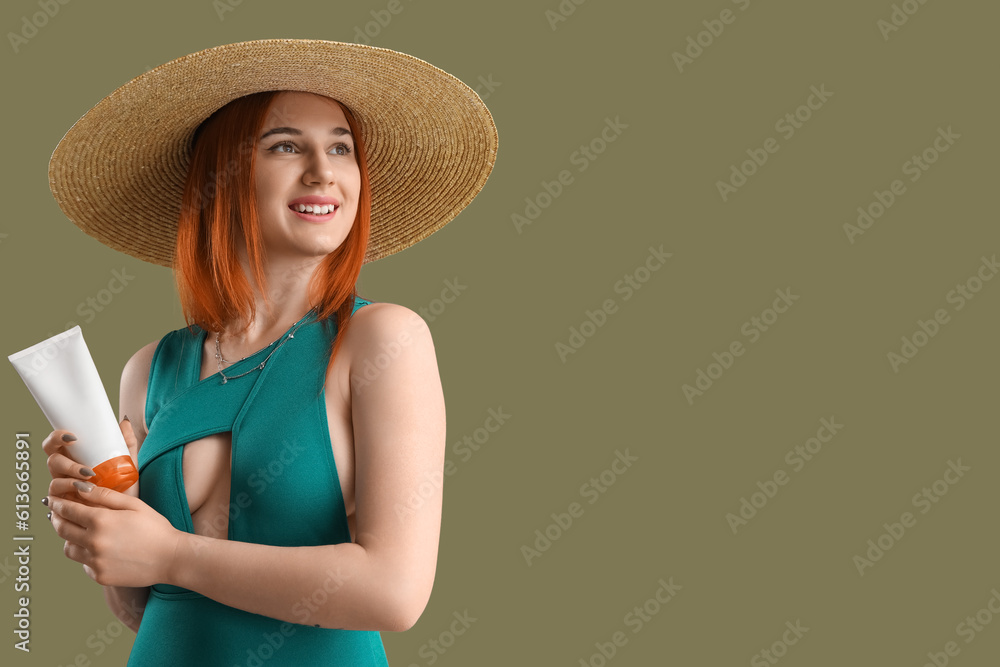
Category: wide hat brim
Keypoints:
(430, 142)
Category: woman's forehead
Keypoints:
(292, 102)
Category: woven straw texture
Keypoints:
(431, 143)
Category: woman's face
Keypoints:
(305, 156)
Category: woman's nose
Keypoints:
(318, 169)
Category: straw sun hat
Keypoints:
(431, 143)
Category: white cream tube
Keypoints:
(61, 375)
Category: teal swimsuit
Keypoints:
(284, 492)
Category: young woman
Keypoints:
(290, 439)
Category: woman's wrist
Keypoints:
(171, 572)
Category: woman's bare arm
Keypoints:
(383, 580)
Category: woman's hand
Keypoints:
(119, 539)
(61, 466)
(65, 471)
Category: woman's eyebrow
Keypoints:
(337, 131)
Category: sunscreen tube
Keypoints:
(61, 375)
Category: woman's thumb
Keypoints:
(130, 440)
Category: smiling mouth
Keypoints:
(313, 210)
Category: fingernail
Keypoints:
(49, 516)
(87, 472)
(126, 419)
(45, 500)
(84, 487)
(68, 437)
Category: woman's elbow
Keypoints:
(405, 607)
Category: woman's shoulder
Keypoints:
(382, 328)
(140, 362)
(380, 321)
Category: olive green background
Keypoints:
(665, 516)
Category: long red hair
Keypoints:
(219, 204)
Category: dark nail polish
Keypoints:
(87, 472)
(126, 419)
(68, 437)
(49, 516)
(45, 500)
(83, 486)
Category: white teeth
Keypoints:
(315, 210)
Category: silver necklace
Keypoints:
(283, 339)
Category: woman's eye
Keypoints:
(339, 149)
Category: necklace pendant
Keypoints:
(224, 379)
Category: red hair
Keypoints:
(219, 205)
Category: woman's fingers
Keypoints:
(82, 508)
(78, 514)
(62, 487)
(65, 527)
(58, 462)
(61, 465)
(76, 552)
(57, 439)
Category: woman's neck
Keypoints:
(288, 292)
